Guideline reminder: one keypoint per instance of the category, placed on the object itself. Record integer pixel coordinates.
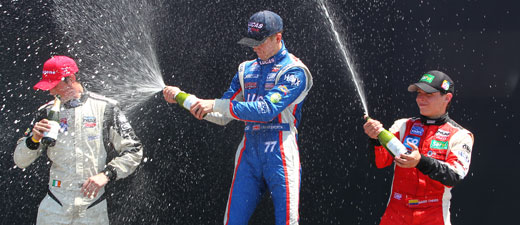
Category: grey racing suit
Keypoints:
(95, 137)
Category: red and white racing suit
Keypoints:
(421, 195)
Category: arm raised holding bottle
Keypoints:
(375, 130)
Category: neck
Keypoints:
(275, 50)
(442, 119)
(76, 92)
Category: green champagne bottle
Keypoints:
(391, 142)
(49, 138)
(185, 100)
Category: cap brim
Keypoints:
(425, 87)
(46, 84)
(250, 42)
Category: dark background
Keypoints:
(188, 164)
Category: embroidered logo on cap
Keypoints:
(428, 78)
(445, 85)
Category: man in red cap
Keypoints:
(91, 126)
(439, 157)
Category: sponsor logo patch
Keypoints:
(428, 78)
(417, 130)
(398, 196)
(89, 121)
(269, 86)
(445, 85)
(466, 148)
(295, 81)
(284, 89)
(276, 68)
(64, 126)
(93, 137)
(439, 144)
(412, 139)
(463, 156)
(251, 76)
(263, 107)
(276, 97)
(250, 85)
(271, 77)
(269, 61)
(441, 135)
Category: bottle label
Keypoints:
(53, 132)
(189, 101)
(396, 147)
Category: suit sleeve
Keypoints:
(26, 151)
(234, 93)
(457, 163)
(289, 87)
(120, 136)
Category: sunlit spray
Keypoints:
(114, 47)
(345, 54)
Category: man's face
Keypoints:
(64, 89)
(268, 48)
(432, 104)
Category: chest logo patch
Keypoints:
(270, 77)
(89, 121)
(411, 139)
(439, 144)
(250, 85)
(64, 126)
(442, 135)
(417, 130)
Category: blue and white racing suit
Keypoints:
(267, 96)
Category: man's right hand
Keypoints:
(373, 128)
(169, 93)
(39, 128)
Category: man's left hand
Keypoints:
(93, 184)
(202, 107)
(409, 160)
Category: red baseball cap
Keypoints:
(54, 70)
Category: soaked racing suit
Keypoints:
(421, 195)
(267, 96)
(93, 129)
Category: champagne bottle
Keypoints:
(49, 138)
(185, 100)
(390, 142)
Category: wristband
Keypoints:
(34, 140)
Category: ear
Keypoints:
(448, 97)
(279, 36)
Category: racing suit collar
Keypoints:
(275, 58)
(73, 103)
(438, 121)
